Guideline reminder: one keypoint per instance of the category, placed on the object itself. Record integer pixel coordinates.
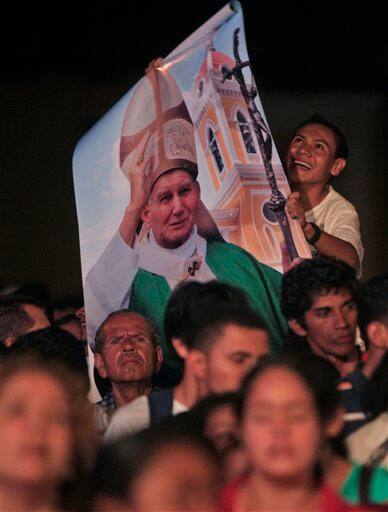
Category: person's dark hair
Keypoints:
(373, 303)
(319, 375)
(342, 150)
(209, 324)
(55, 344)
(68, 305)
(100, 335)
(312, 278)
(120, 463)
(3, 350)
(189, 298)
(66, 319)
(295, 344)
(197, 311)
(205, 407)
(14, 320)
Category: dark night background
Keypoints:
(65, 65)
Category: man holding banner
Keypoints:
(159, 159)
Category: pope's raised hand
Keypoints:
(135, 168)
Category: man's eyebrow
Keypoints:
(162, 191)
(322, 308)
(323, 141)
(264, 404)
(121, 331)
(349, 301)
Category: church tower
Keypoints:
(240, 188)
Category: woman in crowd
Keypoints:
(289, 408)
(48, 427)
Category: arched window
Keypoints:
(246, 133)
(213, 145)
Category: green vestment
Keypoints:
(230, 264)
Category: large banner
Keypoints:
(197, 110)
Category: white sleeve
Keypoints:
(128, 419)
(346, 226)
(108, 284)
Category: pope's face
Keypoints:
(172, 208)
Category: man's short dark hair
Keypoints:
(342, 150)
(54, 344)
(196, 312)
(373, 303)
(66, 319)
(14, 320)
(100, 335)
(313, 278)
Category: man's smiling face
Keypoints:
(172, 208)
(311, 155)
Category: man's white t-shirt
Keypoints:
(133, 417)
(338, 217)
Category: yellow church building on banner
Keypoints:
(240, 187)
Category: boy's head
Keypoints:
(213, 328)
(317, 152)
(373, 311)
(318, 300)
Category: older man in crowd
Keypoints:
(127, 352)
(219, 337)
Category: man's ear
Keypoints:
(9, 341)
(180, 348)
(145, 215)
(337, 167)
(99, 364)
(158, 358)
(295, 326)
(198, 364)
(335, 425)
(377, 334)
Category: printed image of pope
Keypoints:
(178, 239)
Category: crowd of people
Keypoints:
(225, 392)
